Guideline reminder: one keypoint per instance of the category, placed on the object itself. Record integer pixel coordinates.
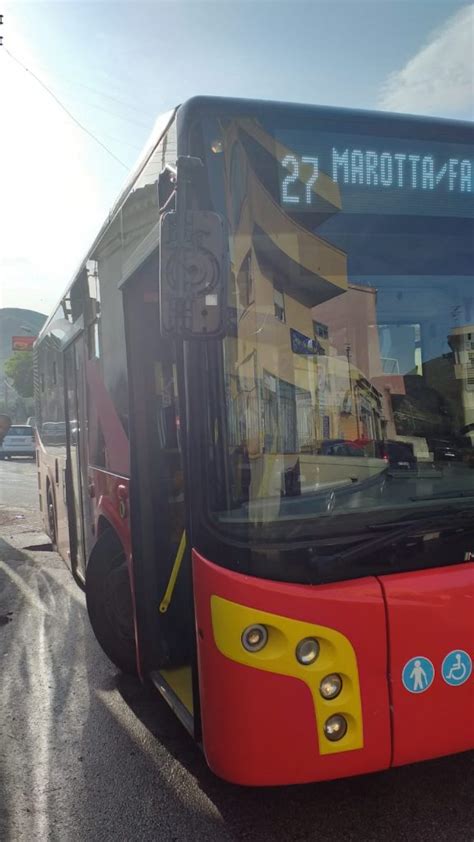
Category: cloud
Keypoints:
(439, 78)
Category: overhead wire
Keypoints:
(113, 113)
(70, 82)
(63, 107)
(124, 142)
(74, 82)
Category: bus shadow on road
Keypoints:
(401, 803)
(10, 553)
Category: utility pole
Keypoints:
(352, 390)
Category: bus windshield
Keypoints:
(345, 384)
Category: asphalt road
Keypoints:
(18, 484)
(86, 754)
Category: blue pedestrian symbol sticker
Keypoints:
(456, 668)
(418, 674)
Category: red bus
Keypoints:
(253, 412)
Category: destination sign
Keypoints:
(415, 178)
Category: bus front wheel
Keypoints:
(51, 518)
(109, 601)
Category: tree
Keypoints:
(19, 368)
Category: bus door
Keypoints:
(162, 570)
(74, 371)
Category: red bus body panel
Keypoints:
(430, 614)
(109, 495)
(258, 727)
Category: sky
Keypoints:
(116, 66)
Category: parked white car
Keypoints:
(19, 441)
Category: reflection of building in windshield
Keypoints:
(289, 384)
(353, 331)
(281, 271)
(461, 340)
(318, 357)
(421, 394)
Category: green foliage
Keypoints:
(19, 368)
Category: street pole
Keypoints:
(352, 390)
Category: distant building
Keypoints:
(15, 321)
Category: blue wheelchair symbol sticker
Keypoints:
(456, 667)
(418, 674)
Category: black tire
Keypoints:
(109, 601)
(51, 518)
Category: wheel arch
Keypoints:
(103, 523)
(99, 565)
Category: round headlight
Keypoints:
(254, 638)
(331, 686)
(307, 651)
(335, 728)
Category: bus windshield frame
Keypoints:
(301, 477)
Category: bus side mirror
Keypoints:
(193, 274)
(166, 186)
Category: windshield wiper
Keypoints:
(420, 516)
(395, 534)
(443, 495)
